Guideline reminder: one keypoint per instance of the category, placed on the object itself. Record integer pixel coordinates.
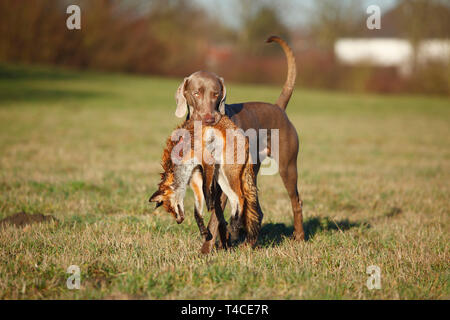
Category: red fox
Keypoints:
(204, 169)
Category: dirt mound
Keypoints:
(22, 219)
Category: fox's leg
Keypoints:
(209, 185)
(235, 223)
(217, 223)
(237, 215)
(196, 184)
(219, 205)
(230, 185)
(235, 226)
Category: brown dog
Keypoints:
(203, 94)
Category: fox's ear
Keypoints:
(157, 197)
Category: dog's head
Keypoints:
(202, 95)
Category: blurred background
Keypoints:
(84, 116)
(333, 46)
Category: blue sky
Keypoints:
(295, 12)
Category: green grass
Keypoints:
(85, 148)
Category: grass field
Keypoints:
(85, 148)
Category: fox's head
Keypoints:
(174, 180)
(167, 197)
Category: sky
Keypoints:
(294, 12)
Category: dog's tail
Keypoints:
(288, 87)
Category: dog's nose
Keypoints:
(209, 119)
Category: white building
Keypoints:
(390, 52)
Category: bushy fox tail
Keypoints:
(252, 213)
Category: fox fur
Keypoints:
(207, 171)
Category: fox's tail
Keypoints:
(288, 87)
(252, 214)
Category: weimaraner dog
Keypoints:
(202, 96)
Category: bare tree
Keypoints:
(421, 19)
(334, 19)
(259, 20)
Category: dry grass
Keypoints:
(85, 148)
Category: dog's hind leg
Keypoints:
(289, 176)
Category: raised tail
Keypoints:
(288, 87)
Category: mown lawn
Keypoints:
(85, 148)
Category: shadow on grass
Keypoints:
(273, 234)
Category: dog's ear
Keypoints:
(157, 197)
(181, 99)
(224, 96)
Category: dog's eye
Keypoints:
(216, 94)
(196, 94)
